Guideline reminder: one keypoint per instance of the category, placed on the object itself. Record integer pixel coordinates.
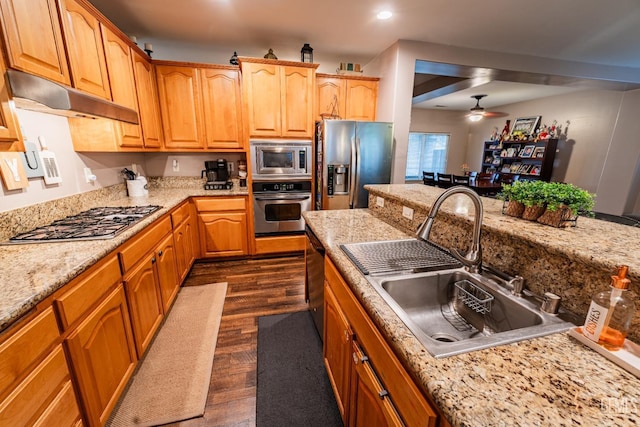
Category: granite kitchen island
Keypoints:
(552, 380)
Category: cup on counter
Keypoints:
(137, 187)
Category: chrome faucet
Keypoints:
(472, 260)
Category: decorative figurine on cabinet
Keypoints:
(271, 55)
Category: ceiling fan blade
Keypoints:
(494, 114)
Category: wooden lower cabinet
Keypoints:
(380, 392)
(103, 356)
(35, 382)
(222, 226)
(185, 238)
(166, 256)
(144, 300)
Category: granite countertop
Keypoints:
(32, 272)
(552, 380)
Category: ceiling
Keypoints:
(587, 31)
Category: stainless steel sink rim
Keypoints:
(475, 340)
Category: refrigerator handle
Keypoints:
(354, 172)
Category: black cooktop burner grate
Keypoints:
(93, 224)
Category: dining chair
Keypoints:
(428, 178)
(445, 180)
(460, 179)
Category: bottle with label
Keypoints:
(610, 313)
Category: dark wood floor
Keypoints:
(256, 288)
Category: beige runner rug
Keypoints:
(172, 381)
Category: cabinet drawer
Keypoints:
(180, 214)
(63, 411)
(36, 392)
(86, 291)
(25, 347)
(145, 241)
(221, 204)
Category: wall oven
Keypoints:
(280, 159)
(278, 207)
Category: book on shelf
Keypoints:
(515, 166)
(506, 168)
(538, 152)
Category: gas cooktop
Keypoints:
(94, 224)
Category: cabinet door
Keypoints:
(103, 356)
(370, 403)
(261, 86)
(167, 271)
(223, 234)
(85, 49)
(33, 38)
(361, 97)
(330, 97)
(297, 101)
(180, 107)
(183, 238)
(123, 86)
(222, 108)
(145, 302)
(337, 351)
(148, 103)
(10, 135)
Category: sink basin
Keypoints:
(454, 311)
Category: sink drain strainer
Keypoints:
(444, 338)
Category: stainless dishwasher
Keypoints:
(314, 279)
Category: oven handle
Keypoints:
(282, 197)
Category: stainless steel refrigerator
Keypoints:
(348, 155)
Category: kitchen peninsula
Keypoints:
(552, 380)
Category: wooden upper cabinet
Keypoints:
(297, 101)
(361, 98)
(222, 106)
(85, 49)
(148, 103)
(33, 38)
(261, 86)
(180, 106)
(348, 98)
(123, 87)
(330, 98)
(10, 135)
(278, 97)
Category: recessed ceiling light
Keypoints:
(385, 14)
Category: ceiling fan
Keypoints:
(477, 113)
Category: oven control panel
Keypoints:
(281, 187)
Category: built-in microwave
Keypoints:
(280, 159)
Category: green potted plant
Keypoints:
(524, 198)
(563, 203)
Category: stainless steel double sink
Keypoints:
(454, 311)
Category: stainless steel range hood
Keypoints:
(35, 93)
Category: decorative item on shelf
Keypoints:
(494, 134)
(504, 135)
(148, 48)
(465, 169)
(134, 39)
(306, 54)
(348, 68)
(270, 55)
(524, 127)
(234, 58)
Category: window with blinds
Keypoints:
(426, 152)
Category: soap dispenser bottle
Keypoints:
(610, 313)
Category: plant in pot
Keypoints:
(524, 199)
(563, 204)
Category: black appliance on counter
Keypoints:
(217, 175)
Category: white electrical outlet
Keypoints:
(380, 201)
(407, 212)
(89, 176)
(176, 165)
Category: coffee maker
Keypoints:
(217, 175)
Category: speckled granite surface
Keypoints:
(31, 272)
(574, 263)
(548, 381)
